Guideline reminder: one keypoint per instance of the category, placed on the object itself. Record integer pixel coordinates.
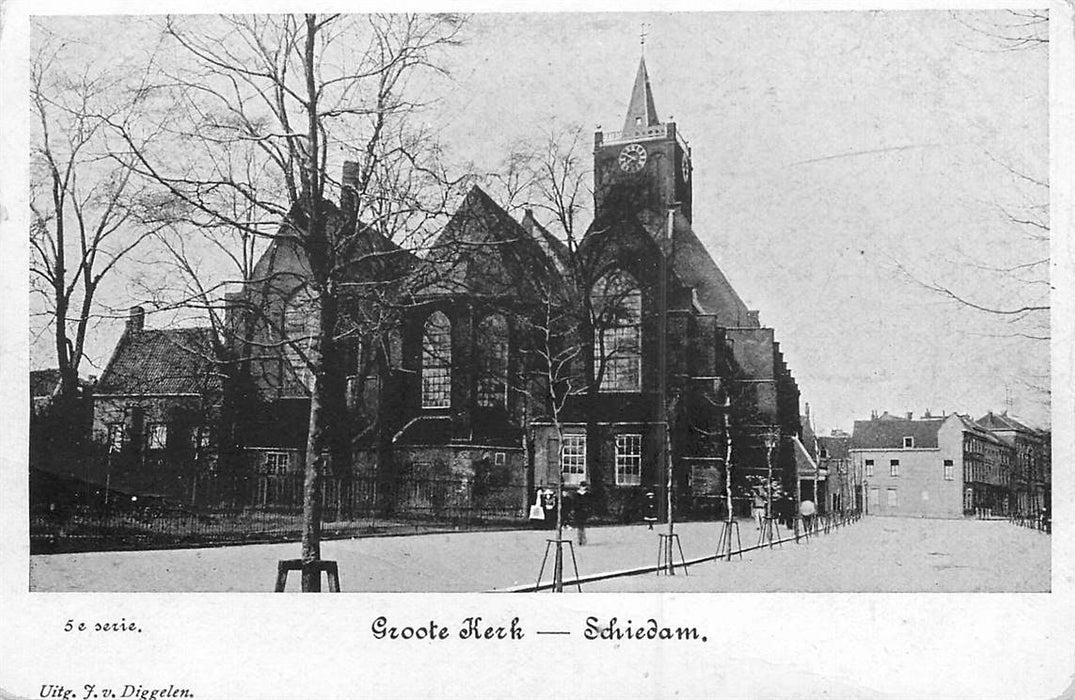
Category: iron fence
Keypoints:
(266, 508)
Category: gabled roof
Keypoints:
(835, 446)
(172, 361)
(887, 432)
(987, 434)
(804, 461)
(693, 265)
(641, 106)
(556, 250)
(1004, 422)
(44, 382)
(483, 251)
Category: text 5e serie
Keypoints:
(471, 628)
(122, 626)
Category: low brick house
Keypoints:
(156, 411)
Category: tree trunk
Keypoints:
(318, 356)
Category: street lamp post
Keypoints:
(769, 529)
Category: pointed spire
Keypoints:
(641, 113)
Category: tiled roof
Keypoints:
(43, 382)
(887, 432)
(804, 462)
(836, 447)
(1002, 421)
(172, 361)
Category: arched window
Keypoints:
(491, 348)
(297, 327)
(437, 362)
(617, 303)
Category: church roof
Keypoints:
(482, 250)
(641, 111)
(696, 268)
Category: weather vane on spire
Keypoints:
(642, 35)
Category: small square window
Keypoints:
(908, 442)
(116, 437)
(499, 458)
(156, 436)
(276, 463)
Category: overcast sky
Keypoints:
(829, 150)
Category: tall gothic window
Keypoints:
(437, 362)
(491, 348)
(296, 328)
(617, 302)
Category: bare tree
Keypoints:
(87, 212)
(255, 109)
(1019, 286)
(1011, 30)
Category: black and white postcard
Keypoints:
(616, 351)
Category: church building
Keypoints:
(446, 406)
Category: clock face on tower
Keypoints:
(686, 169)
(632, 158)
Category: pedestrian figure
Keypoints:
(807, 510)
(649, 509)
(548, 503)
(582, 511)
(758, 509)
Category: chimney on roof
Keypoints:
(136, 320)
(754, 318)
(910, 415)
(528, 221)
(873, 414)
(349, 178)
(927, 414)
(807, 411)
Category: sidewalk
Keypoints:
(874, 554)
(451, 562)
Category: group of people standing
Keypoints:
(578, 507)
(784, 510)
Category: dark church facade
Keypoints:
(447, 402)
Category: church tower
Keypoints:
(647, 165)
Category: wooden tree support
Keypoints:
(724, 544)
(665, 559)
(800, 529)
(559, 545)
(287, 565)
(770, 532)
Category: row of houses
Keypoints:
(934, 466)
